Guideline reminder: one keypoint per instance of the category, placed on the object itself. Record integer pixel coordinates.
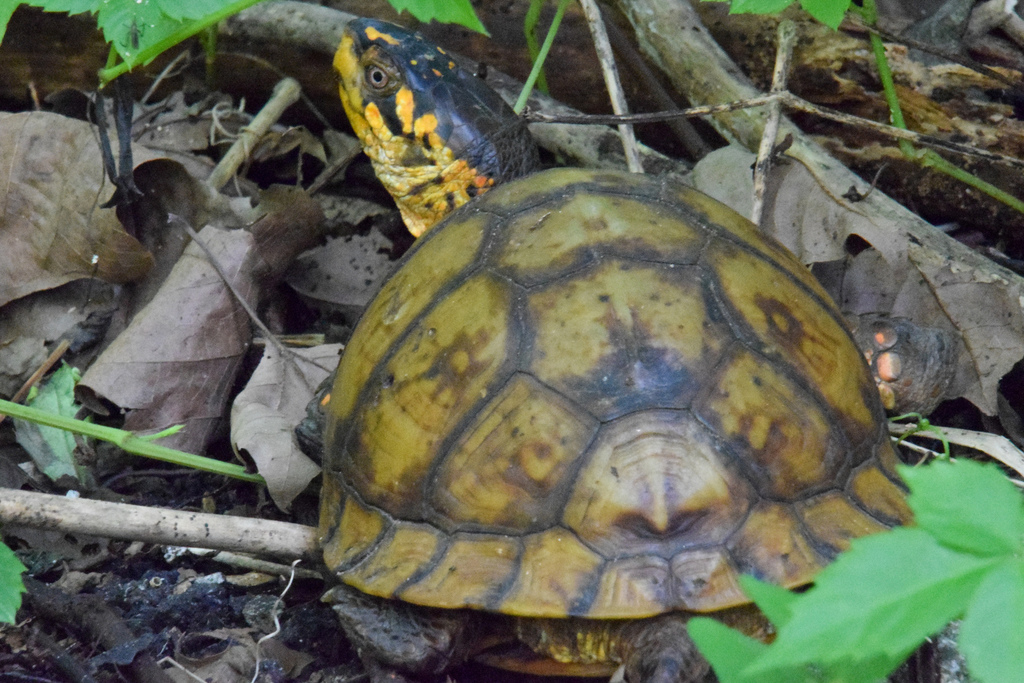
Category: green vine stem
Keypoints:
(530, 22)
(539, 62)
(927, 158)
(137, 445)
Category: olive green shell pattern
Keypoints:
(601, 395)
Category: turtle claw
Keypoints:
(393, 637)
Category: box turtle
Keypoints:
(580, 408)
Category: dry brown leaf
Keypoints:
(264, 415)
(341, 275)
(278, 143)
(168, 188)
(900, 276)
(51, 226)
(177, 360)
(33, 321)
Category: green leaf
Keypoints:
(878, 601)
(828, 12)
(179, 10)
(730, 652)
(775, 601)
(991, 635)
(7, 8)
(52, 449)
(967, 506)
(131, 27)
(758, 6)
(447, 11)
(11, 585)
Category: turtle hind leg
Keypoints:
(395, 639)
(659, 650)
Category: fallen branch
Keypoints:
(157, 525)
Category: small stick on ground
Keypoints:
(253, 564)
(611, 80)
(765, 152)
(50, 361)
(286, 93)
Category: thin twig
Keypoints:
(50, 361)
(611, 81)
(243, 561)
(793, 102)
(766, 150)
(694, 143)
(649, 117)
(167, 72)
(928, 453)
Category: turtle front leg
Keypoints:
(659, 650)
(394, 638)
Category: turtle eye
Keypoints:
(376, 77)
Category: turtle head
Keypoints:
(436, 134)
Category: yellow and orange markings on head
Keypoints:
(373, 34)
(405, 103)
(428, 128)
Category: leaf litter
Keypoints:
(54, 231)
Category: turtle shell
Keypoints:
(602, 395)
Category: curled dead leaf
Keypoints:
(264, 415)
(52, 230)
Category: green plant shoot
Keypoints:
(127, 441)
